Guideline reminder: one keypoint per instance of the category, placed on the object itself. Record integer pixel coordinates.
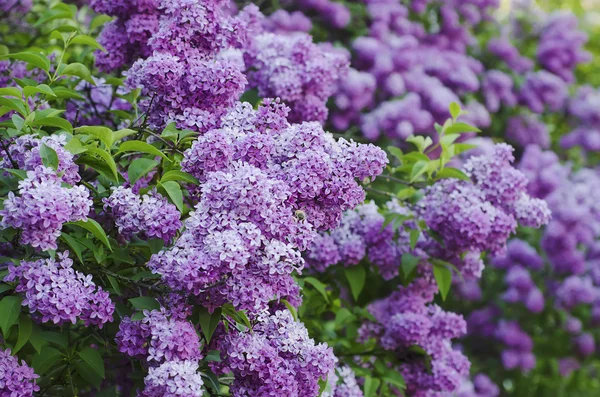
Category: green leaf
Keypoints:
(74, 146)
(139, 168)
(142, 147)
(36, 339)
(443, 277)
(66, 93)
(93, 227)
(420, 142)
(18, 121)
(107, 158)
(356, 277)
(174, 192)
(319, 286)
(452, 173)
(53, 122)
(460, 128)
(99, 20)
(418, 169)
(73, 244)
(395, 378)
(40, 89)
(463, 147)
(120, 134)
(49, 157)
(371, 386)
(179, 176)
(115, 284)
(88, 373)
(11, 91)
(5, 287)
(324, 386)
(93, 358)
(455, 110)
(53, 14)
(25, 327)
(15, 104)
(145, 303)
(87, 40)
(414, 237)
(291, 308)
(10, 307)
(213, 355)
(104, 134)
(31, 58)
(208, 321)
(409, 264)
(78, 70)
(45, 360)
(396, 152)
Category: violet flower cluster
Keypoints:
(584, 109)
(149, 216)
(276, 358)
(16, 379)
(57, 293)
(43, 206)
(267, 188)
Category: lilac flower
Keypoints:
(528, 130)
(543, 90)
(59, 294)
(16, 379)
(42, 207)
(174, 379)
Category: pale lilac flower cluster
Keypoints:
(544, 172)
(43, 206)
(407, 318)
(15, 6)
(303, 74)
(543, 91)
(346, 384)
(16, 380)
(481, 386)
(58, 293)
(560, 49)
(161, 336)
(277, 358)
(267, 187)
(480, 216)
(25, 152)
(151, 215)
(584, 107)
(528, 129)
(282, 21)
(174, 379)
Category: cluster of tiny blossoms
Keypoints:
(277, 358)
(59, 293)
(267, 187)
(151, 215)
(16, 380)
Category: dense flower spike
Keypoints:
(151, 215)
(267, 187)
(174, 379)
(43, 206)
(16, 379)
(277, 358)
(304, 75)
(58, 293)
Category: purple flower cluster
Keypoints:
(528, 129)
(24, 151)
(99, 100)
(151, 215)
(481, 386)
(174, 379)
(345, 384)
(161, 336)
(405, 319)
(584, 108)
(267, 187)
(304, 75)
(43, 206)
(277, 358)
(16, 380)
(16, 6)
(60, 294)
(284, 22)
(480, 216)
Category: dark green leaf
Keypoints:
(208, 321)
(452, 173)
(93, 227)
(139, 168)
(356, 277)
(107, 158)
(87, 40)
(10, 307)
(93, 358)
(45, 360)
(78, 70)
(25, 327)
(31, 58)
(142, 147)
(409, 264)
(40, 89)
(443, 277)
(145, 303)
(319, 286)
(53, 122)
(371, 386)
(89, 374)
(414, 237)
(115, 284)
(104, 134)
(419, 168)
